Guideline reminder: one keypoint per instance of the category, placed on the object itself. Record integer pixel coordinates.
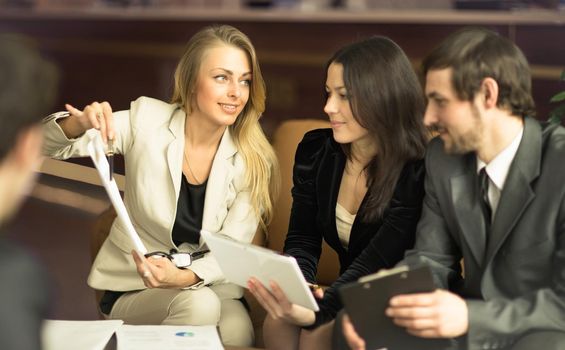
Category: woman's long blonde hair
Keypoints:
(263, 176)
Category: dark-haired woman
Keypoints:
(358, 186)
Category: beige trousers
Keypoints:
(187, 307)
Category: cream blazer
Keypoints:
(151, 138)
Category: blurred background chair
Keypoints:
(285, 140)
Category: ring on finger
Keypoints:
(146, 274)
(99, 115)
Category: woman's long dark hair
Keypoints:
(386, 99)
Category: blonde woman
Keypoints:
(199, 162)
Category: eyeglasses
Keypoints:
(180, 259)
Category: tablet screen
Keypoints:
(240, 261)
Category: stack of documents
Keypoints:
(72, 335)
(95, 335)
(168, 337)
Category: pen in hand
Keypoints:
(110, 156)
(316, 290)
(313, 286)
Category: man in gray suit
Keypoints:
(26, 90)
(508, 224)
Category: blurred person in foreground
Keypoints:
(27, 88)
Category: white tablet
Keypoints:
(240, 261)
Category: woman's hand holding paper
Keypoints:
(277, 304)
(96, 115)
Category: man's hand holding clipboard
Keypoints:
(368, 301)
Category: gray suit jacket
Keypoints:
(516, 282)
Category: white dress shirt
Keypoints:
(497, 171)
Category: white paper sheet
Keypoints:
(168, 337)
(96, 151)
(72, 335)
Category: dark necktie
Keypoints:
(483, 185)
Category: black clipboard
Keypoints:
(365, 302)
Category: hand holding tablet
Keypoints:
(240, 262)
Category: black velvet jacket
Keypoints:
(318, 168)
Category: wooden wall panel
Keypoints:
(114, 56)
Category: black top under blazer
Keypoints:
(318, 168)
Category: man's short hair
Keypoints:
(475, 54)
(28, 85)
